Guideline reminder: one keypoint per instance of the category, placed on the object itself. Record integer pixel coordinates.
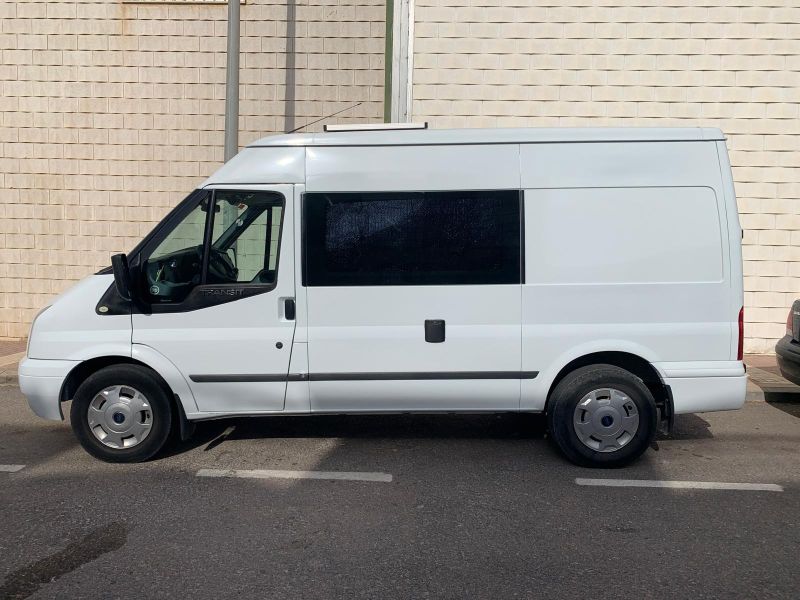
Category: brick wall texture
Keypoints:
(732, 64)
(113, 111)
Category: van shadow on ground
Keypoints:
(506, 426)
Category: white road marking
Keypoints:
(684, 485)
(11, 468)
(277, 474)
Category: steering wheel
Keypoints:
(220, 266)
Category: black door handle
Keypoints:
(289, 309)
(434, 330)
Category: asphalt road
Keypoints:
(478, 507)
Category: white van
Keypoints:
(590, 274)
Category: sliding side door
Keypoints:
(413, 300)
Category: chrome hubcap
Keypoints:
(605, 420)
(120, 416)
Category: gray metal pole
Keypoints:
(232, 83)
(231, 103)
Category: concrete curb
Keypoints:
(9, 378)
(754, 393)
(766, 386)
(11, 359)
(781, 396)
(8, 368)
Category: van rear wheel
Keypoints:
(602, 416)
(122, 413)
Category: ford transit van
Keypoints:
(593, 275)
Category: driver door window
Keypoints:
(245, 235)
(235, 243)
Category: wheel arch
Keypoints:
(85, 369)
(82, 371)
(633, 363)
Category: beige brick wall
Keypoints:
(112, 112)
(733, 64)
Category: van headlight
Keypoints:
(33, 324)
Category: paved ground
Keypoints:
(10, 354)
(478, 507)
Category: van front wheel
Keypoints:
(122, 413)
(602, 416)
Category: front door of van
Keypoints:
(414, 300)
(218, 281)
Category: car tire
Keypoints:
(122, 413)
(615, 423)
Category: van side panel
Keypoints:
(412, 168)
(619, 164)
(734, 246)
(624, 235)
(626, 250)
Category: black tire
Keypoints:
(145, 381)
(573, 388)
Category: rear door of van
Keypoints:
(412, 268)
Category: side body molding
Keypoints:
(164, 367)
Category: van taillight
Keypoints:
(740, 352)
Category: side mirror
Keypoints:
(122, 275)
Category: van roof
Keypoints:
(417, 137)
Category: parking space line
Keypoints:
(687, 485)
(278, 474)
(11, 468)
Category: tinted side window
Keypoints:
(412, 238)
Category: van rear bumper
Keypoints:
(40, 381)
(707, 394)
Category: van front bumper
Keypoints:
(41, 381)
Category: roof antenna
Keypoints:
(296, 129)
